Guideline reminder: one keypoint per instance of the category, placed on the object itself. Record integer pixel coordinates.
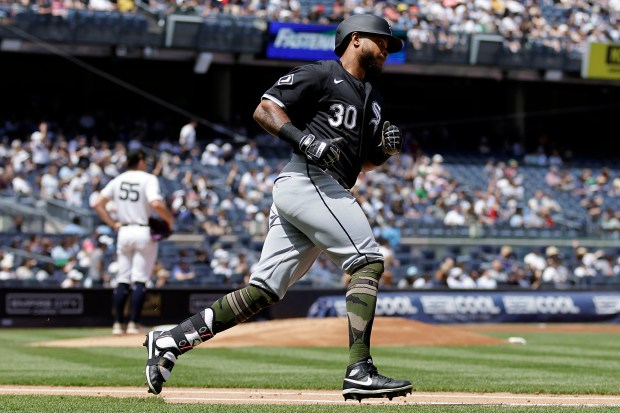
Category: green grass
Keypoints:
(559, 363)
(15, 404)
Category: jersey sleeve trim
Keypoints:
(274, 100)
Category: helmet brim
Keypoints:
(395, 44)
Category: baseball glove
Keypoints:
(159, 229)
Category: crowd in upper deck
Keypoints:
(555, 24)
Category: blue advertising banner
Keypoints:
(311, 42)
(478, 307)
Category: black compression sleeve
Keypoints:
(289, 133)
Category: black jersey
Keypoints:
(324, 99)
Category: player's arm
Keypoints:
(271, 117)
(160, 207)
(100, 208)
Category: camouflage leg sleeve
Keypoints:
(361, 300)
(228, 311)
(236, 307)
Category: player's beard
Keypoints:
(368, 61)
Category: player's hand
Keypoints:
(322, 152)
(391, 140)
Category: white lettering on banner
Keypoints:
(605, 304)
(459, 304)
(548, 304)
(198, 302)
(44, 303)
(289, 39)
(395, 306)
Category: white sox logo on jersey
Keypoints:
(376, 109)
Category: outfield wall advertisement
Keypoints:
(492, 307)
(94, 307)
(601, 61)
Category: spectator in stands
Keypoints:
(182, 272)
(584, 271)
(593, 204)
(202, 257)
(73, 279)
(217, 225)
(519, 278)
(187, 137)
(249, 152)
(220, 264)
(210, 156)
(614, 189)
(605, 263)
(239, 264)
(227, 152)
(323, 274)
(20, 184)
(553, 178)
(6, 267)
(249, 184)
(458, 278)
(497, 271)
(161, 273)
(610, 221)
(555, 271)
(455, 216)
(486, 280)
(65, 250)
(389, 257)
(20, 158)
(96, 276)
(534, 265)
(75, 227)
(517, 219)
(50, 184)
(584, 182)
(507, 259)
(26, 270)
(39, 147)
(408, 280)
(440, 275)
(390, 231)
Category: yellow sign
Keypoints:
(601, 61)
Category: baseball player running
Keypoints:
(135, 194)
(331, 115)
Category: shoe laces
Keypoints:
(373, 372)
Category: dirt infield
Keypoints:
(320, 397)
(331, 332)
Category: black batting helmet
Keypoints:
(365, 23)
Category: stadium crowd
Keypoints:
(221, 190)
(553, 24)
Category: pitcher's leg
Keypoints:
(120, 296)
